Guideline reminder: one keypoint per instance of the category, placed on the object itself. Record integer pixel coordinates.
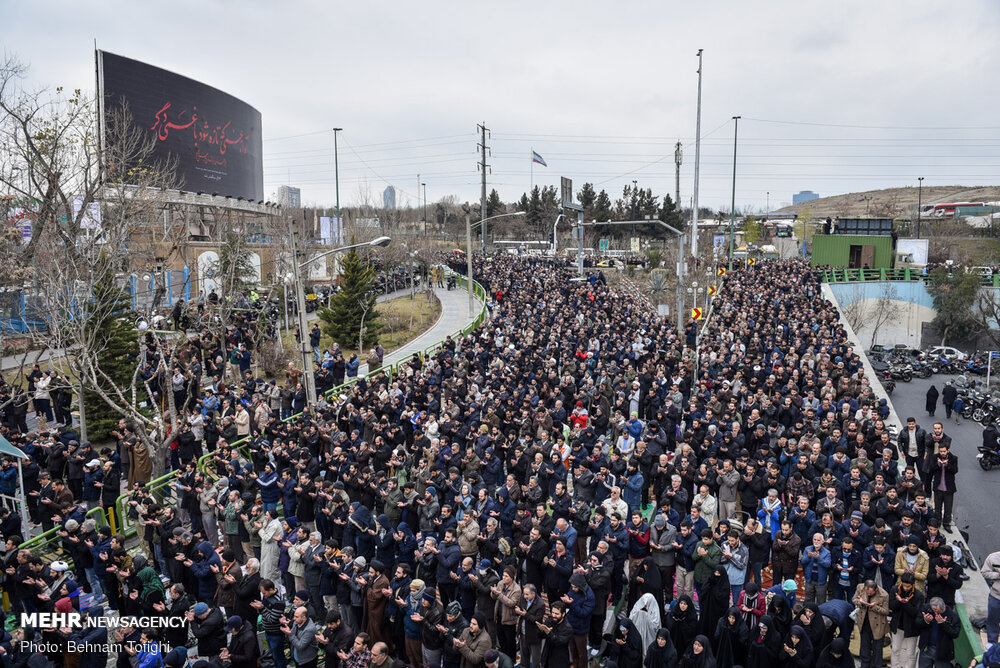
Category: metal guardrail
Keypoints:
(160, 487)
(900, 274)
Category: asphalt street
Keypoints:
(976, 507)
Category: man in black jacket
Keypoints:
(207, 626)
(911, 443)
(943, 468)
(557, 633)
(248, 590)
(530, 609)
(905, 606)
(335, 637)
(243, 651)
(939, 628)
(944, 575)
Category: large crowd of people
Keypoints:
(574, 481)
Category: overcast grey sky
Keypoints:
(835, 97)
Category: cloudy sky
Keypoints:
(835, 97)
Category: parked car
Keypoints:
(947, 352)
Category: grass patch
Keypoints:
(403, 320)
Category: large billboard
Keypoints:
(215, 137)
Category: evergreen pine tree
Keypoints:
(354, 305)
(116, 338)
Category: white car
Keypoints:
(949, 353)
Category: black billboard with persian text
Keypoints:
(215, 137)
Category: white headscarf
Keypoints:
(646, 617)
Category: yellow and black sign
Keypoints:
(751, 261)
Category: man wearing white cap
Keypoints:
(93, 480)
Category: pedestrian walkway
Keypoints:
(455, 315)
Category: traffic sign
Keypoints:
(696, 314)
(604, 244)
(751, 261)
(721, 271)
(713, 290)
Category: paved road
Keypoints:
(976, 500)
(454, 316)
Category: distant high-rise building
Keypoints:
(389, 198)
(289, 197)
(804, 196)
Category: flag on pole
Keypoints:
(539, 159)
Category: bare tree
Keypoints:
(886, 309)
(91, 193)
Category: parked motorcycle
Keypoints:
(988, 457)
(903, 372)
(976, 366)
(921, 369)
(887, 382)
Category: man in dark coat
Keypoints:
(938, 629)
(243, 650)
(948, 395)
(530, 609)
(557, 633)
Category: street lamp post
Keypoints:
(697, 167)
(732, 208)
(300, 302)
(336, 175)
(920, 201)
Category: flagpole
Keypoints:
(531, 159)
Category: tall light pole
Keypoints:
(336, 174)
(732, 208)
(920, 201)
(300, 302)
(424, 186)
(678, 158)
(697, 165)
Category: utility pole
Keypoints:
(336, 176)
(305, 352)
(482, 168)
(678, 157)
(732, 208)
(920, 201)
(468, 257)
(425, 207)
(697, 164)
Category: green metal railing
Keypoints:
(160, 489)
(900, 274)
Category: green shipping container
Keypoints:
(845, 251)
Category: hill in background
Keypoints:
(891, 202)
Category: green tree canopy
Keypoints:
(954, 295)
(354, 306)
(115, 336)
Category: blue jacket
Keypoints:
(8, 482)
(202, 570)
(815, 570)
(448, 562)
(581, 606)
(632, 494)
(91, 492)
(351, 368)
(270, 492)
(619, 549)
